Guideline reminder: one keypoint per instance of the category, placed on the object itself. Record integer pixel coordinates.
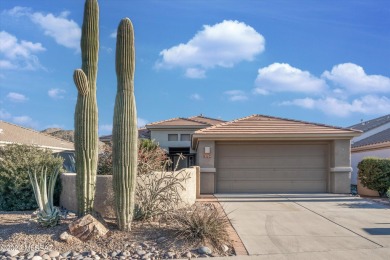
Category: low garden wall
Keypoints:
(104, 197)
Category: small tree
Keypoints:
(374, 173)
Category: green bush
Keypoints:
(16, 192)
(388, 193)
(374, 173)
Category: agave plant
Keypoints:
(48, 215)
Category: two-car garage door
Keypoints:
(271, 167)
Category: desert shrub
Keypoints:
(388, 193)
(158, 193)
(16, 192)
(202, 224)
(374, 173)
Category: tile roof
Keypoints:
(11, 133)
(207, 120)
(268, 125)
(371, 124)
(378, 138)
(195, 121)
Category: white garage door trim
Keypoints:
(272, 167)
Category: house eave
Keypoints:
(371, 147)
(270, 137)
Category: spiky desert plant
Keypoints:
(86, 113)
(48, 215)
(125, 134)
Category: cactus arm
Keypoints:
(81, 82)
(125, 133)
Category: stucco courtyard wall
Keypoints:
(104, 197)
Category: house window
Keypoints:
(173, 137)
(185, 137)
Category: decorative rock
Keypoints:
(125, 253)
(46, 256)
(37, 257)
(141, 252)
(41, 252)
(12, 253)
(87, 227)
(65, 236)
(53, 254)
(171, 254)
(188, 255)
(30, 255)
(161, 239)
(92, 253)
(64, 255)
(224, 248)
(114, 254)
(104, 255)
(204, 250)
(144, 245)
(146, 256)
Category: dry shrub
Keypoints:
(158, 190)
(200, 224)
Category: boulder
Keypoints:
(87, 227)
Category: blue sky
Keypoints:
(318, 61)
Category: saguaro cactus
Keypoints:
(125, 134)
(86, 113)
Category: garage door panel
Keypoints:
(271, 150)
(258, 167)
(271, 174)
(240, 162)
(273, 186)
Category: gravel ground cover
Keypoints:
(21, 238)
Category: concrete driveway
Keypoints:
(310, 224)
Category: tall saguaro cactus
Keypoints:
(86, 113)
(125, 132)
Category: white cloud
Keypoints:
(25, 121)
(15, 54)
(113, 34)
(354, 80)
(56, 93)
(141, 122)
(195, 73)
(16, 97)
(236, 95)
(107, 128)
(196, 97)
(63, 30)
(4, 114)
(282, 77)
(221, 45)
(369, 105)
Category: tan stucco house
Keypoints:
(268, 154)
(14, 134)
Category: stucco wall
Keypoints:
(340, 166)
(358, 156)
(161, 137)
(207, 167)
(104, 197)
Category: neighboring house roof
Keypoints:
(272, 128)
(207, 120)
(371, 124)
(11, 133)
(196, 122)
(375, 141)
(143, 133)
